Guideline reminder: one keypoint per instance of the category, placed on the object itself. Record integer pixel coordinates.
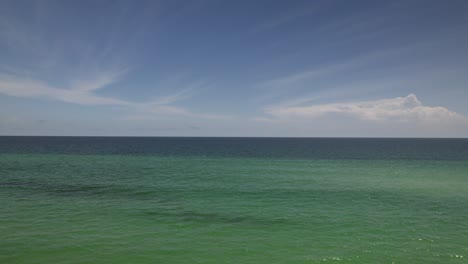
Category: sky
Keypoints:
(234, 68)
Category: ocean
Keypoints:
(233, 200)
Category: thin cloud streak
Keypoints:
(304, 77)
(84, 95)
(289, 17)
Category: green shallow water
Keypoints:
(65, 208)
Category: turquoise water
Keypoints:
(68, 201)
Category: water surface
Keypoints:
(233, 200)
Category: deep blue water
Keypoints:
(300, 148)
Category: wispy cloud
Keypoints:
(100, 81)
(84, 92)
(78, 94)
(400, 109)
(296, 79)
(287, 17)
(55, 67)
(67, 68)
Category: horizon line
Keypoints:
(258, 137)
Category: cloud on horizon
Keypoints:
(400, 109)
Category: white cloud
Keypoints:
(400, 109)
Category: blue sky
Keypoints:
(234, 68)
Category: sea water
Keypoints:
(233, 200)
